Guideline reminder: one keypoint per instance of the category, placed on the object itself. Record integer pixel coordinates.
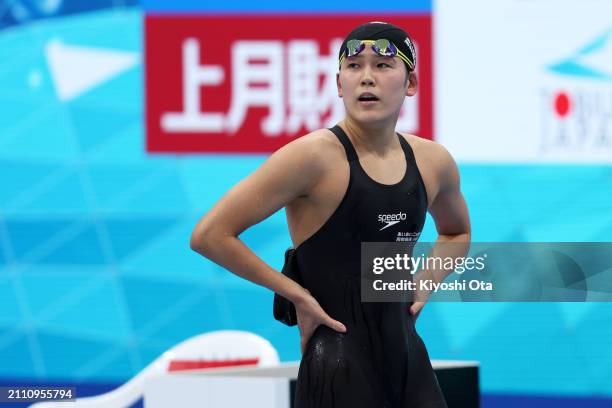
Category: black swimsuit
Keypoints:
(381, 361)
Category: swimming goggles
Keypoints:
(382, 47)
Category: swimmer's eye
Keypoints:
(352, 65)
(383, 65)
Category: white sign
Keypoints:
(524, 81)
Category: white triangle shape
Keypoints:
(75, 69)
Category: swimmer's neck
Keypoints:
(379, 138)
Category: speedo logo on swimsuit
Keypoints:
(391, 219)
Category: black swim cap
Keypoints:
(377, 30)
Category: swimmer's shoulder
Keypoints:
(435, 164)
(303, 162)
(429, 152)
(320, 147)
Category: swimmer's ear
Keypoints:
(338, 85)
(413, 84)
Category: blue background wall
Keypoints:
(97, 278)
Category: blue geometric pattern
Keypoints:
(97, 278)
(15, 12)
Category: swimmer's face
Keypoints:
(373, 87)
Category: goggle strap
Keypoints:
(403, 57)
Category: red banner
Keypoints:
(252, 83)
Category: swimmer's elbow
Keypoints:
(208, 235)
(201, 238)
(196, 243)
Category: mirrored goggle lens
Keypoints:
(354, 47)
(385, 48)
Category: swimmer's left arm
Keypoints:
(448, 207)
(450, 214)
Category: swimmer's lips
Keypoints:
(368, 98)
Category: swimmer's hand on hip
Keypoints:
(310, 315)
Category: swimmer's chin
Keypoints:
(371, 117)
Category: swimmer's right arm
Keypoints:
(290, 172)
